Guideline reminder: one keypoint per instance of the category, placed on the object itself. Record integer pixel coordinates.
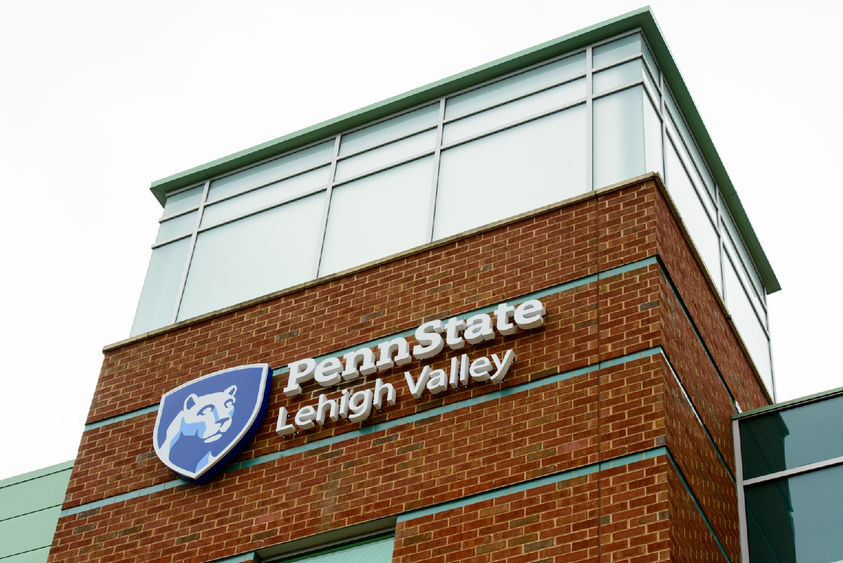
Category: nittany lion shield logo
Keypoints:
(204, 423)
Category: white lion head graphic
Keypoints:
(205, 418)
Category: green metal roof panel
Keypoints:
(33, 494)
(641, 18)
(28, 532)
(30, 505)
(66, 465)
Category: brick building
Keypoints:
(577, 174)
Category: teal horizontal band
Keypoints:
(699, 418)
(696, 330)
(535, 483)
(242, 558)
(121, 417)
(409, 419)
(445, 409)
(632, 266)
(552, 290)
(566, 476)
(123, 497)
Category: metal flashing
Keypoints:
(415, 97)
(38, 473)
(793, 403)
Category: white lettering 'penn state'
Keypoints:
(430, 341)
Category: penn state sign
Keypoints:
(204, 423)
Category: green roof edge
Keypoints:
(37, 473)
(641, 18)
(798, 402)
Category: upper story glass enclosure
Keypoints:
(598, 113)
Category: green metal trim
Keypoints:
(43, 472)
(415, 97)
(709, 152)
(789, 404)
(642, 18)
(535, 483)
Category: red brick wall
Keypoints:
(462, 276)
(706, 311)
(634, 512)
(623, 409)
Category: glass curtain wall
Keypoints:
(584, 121)
(790, 477)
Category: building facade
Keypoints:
(508, 316)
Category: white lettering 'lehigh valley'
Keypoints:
(437, 380)
(354, 407)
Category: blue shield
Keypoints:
(204, 423)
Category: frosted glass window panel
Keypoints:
(161, 286)
(182, 201)
(271, 171)
(617, 76)
(177, 226)
(705, 195)
(743, 253)
(254, 256)
(387, 154)
(679, 124)
(744, 277)
(760, 312)
(515, 86)
(617, 50)
(378, 215)
(618, 137)
(650, 60)
(494, 177)
(693, 215)
(651, 89)
(512, 112)
(254, 200)
(671, 105)
(652, 139)
(748, 325)
(390, 129)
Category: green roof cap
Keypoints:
(793, 403)
(642, 18)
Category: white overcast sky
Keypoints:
(98, 99)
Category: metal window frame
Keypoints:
(513, 74)
(742, 483)
(271, 158)
(320, 244)
(211, 202)
(384, 119)
(660, 106)
(189, 259)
